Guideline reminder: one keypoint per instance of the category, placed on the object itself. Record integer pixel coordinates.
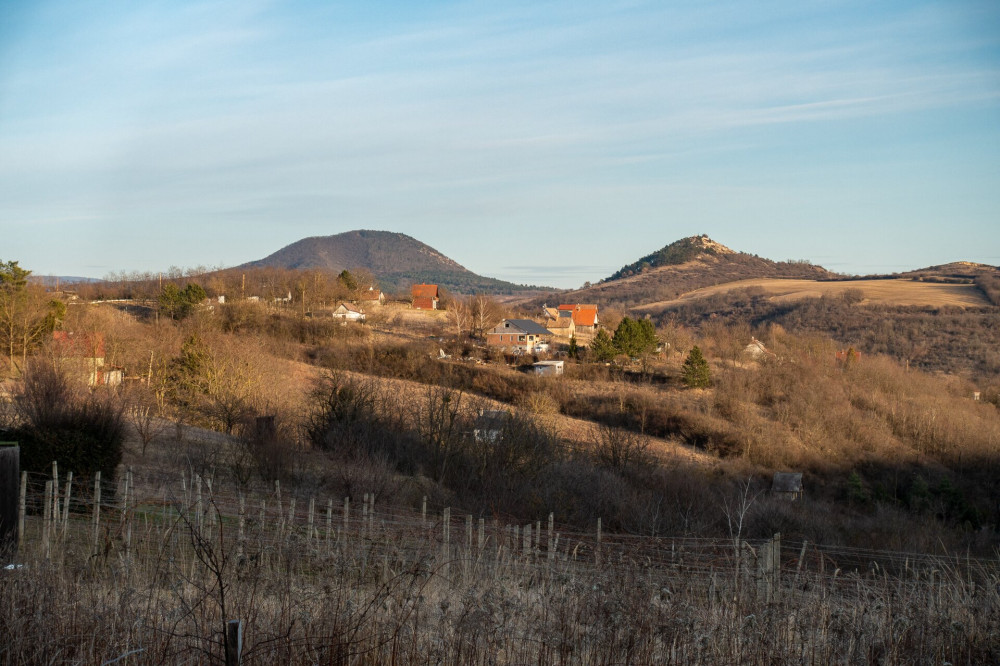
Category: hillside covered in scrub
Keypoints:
(683, 266)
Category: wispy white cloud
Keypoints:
(533, 115)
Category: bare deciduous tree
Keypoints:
(459, 316)
(485, 313)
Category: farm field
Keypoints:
(896, 292)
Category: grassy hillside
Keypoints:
(681, 267)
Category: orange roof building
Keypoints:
(583, 315)
(425, 296)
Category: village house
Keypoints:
(562, 327)
(585, 319)
(372, 296)
(84, 355)
(425, 296)
(348, 312)
(521, 335)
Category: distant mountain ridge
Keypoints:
(396, 260)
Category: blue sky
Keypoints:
(540, 142)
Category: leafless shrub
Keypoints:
(620, 449)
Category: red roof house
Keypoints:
(584, 316)
(425, 296)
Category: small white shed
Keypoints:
(348, 312)
(548, 367)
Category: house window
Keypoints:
(520, 338)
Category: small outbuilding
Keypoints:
(787, 485)
(757, 351)
(489, 425)
(348, 312)
(548, 367)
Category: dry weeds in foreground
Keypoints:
(317, 580)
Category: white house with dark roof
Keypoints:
(518, 335)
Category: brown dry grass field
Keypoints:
(875, 292)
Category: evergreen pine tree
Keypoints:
(602, 349)
(696, 371)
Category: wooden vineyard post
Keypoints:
(47, 518)
(467, 560)
(291, 518)
(65, 513)
(597, 551)
(197, 502)
(329, 523)
(209, 506)
(23, 506)
(10, 470)
(125, 512)
(482, 534)
(234, 642)
(551, 546)
(371, 513)
(54, 500)
(446, 547)
(241, 525)
(312, 515)
(97, 507)
(802, 557)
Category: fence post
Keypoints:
(126, 511)
(234, 642)
(47, 518)
(197, 502)
(10, 470)
(776, 564)
(446, 548)
(65, 513)
(242, 525)
(22, 509)
(312, 514)
(97, 506)
(329, 523)
(552, 550)
(597, 551)
(55, 487)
